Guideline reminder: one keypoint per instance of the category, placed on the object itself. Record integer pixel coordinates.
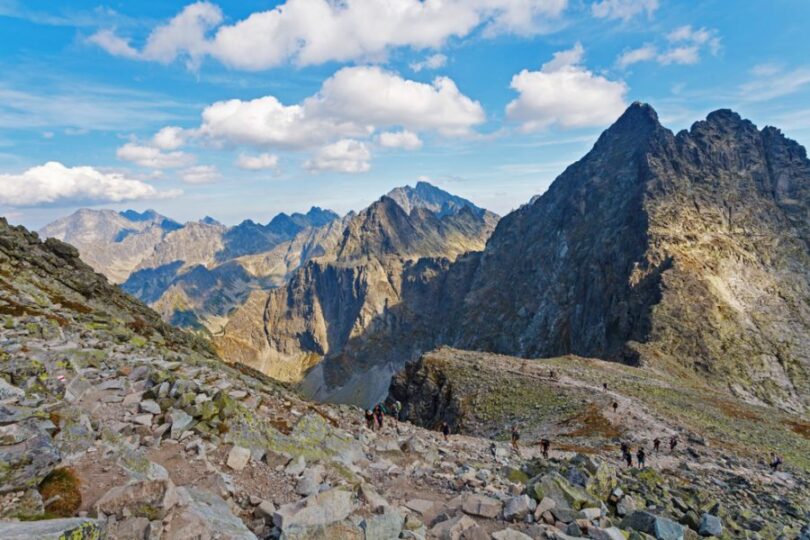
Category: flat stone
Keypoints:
(53, 529)
(452, 529)
(420, 506)
(149, 406)
(510, 534)
(143, 419)
(316, 510)
(611, 533)
(659, 527)
(384, 526)
(626, 505)
(238, 458)
(25, 464)
(9, 391)
(180, 420)
(483, 506)
(265, 510)
(205, 515)
(112, 384)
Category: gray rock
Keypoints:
(517, 508)
(626, 505)
(149, 406)
(420, 506)
(710, 525)
(611, 533)
(510, 534)
(316, 510)
(152, 499)
(452, 529)
(25, 464)
(9, 391)
(481, 505)
(659, 527)
(53, 529)
(265, 510)
(385, 526)
(205, 516)
(296, 466)
(143, 419)
(180, 420)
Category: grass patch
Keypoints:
(801, 428)
(60, 489)
(592, 423)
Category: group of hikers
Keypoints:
(641, 454)
(375, 417)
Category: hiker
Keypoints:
(628, 457)
(378, 415)
(545, 443)
(397, 410)
(673, 442)
(615, 406)
(515, 439)
(604, 387)
(641, 455)
(445, 430)
(775, 462)
(656, 445)
(369, 419)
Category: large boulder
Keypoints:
(481, 505)
(151, 499)
(561, 491)
(53, 529)
(710, 525)
(517, 508)
(384, 526)
(206, 516)
(26, 463)
(315, 511)
(452, 529)
(659, 527)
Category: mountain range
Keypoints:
(686, 253)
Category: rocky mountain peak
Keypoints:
(426, 195)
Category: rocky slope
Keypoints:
(330, 302)
(113, 423)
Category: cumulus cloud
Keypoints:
(53, 183)
(154, 158)
(684, 46)
(407, 140)
(346, 155)
(200, 174)
(351, 104)
(566, 94)
(434, 61)
(307, 32)
(169, 138)
(623, 9)
(257, 163)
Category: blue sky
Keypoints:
(246, 109)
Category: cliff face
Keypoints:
(365, 286)
(686, 252)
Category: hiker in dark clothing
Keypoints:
(656, 445)
(445, 430)
(624, 448)
(378, 415)
(604, 386)
(545, 443)
(615, 406)
(515, 439)
(628, 457)
(776, 461)
(369, 419)
(673, 442)
(641, 455)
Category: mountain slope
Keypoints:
(331, 301)
(688, 252)
(113, 243)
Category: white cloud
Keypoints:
(169, 138)
(149, 156)
(434, 61)
(772, 81)
(566, 94)
(351, 104)
(685, 46)
(308, 32)
(53, 183)
(407, 140)
(623, 9)
(346, 155)
(257, 163)
(633, 56)
(200, 174)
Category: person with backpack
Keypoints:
(776, 461)
(369, 419)
(397, 410)
(656, 445)
(673, 442)
(640, 456)
(544, 444)
(378, 415)
(515, 439)
(445, 429)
